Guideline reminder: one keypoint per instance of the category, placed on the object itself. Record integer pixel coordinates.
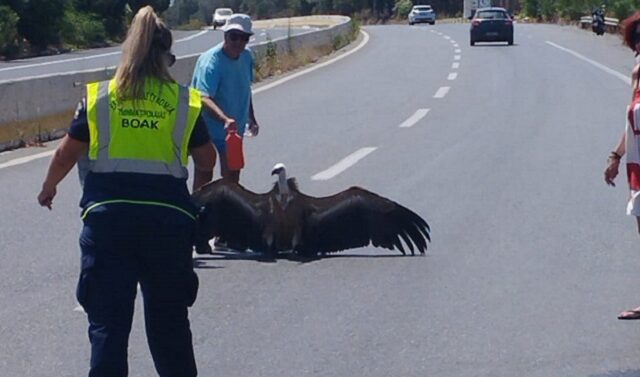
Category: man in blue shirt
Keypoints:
(224, 75)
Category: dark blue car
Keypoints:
(491, 25)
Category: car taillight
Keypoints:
(475, 23)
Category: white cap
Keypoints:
(240, 22)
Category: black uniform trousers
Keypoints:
(124, 245)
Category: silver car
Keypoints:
(422, 13)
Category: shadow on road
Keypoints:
(202, 261)
(619, 373)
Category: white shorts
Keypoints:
(633, 206)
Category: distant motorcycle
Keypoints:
(597, 22)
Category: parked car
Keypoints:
(491, 25)
(220, 16)
(422, 13)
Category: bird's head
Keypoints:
(279, 169)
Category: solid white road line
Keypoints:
(442, 92)
(452, 76)
(344, 164)
(24, 160)
(455, 65)
(88, 57)
(419, 114)
(608, 70)
(318, 66)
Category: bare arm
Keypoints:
(66, 155)
(253, 123)
(215, 111)
(204, 159)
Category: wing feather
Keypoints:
(356, 218)
(231, 212)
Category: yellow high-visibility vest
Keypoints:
(149, 135)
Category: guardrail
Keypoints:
(611, 24)
(28, 104)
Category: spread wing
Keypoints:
(356, 217)
(230, 211)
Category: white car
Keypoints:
(422, 13)
(220, 16)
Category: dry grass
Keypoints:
(35, 131)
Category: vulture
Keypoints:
(284, 220)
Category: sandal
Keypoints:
(630, 314)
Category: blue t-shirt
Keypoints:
(228, 82)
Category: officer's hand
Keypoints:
(45, 197)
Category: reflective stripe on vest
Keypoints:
(149, 135)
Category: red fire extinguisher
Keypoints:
(235, 156)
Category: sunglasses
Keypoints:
(234, 37)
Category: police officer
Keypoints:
(137, 130)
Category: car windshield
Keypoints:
(421, 9)
(225, 12)
(491, 15)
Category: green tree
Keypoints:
(8, 30)
(40, 21)
(158, 5)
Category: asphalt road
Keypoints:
(532, 256)
(185, 43)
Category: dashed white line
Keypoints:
(457, 51)
(456, 57)
(610, 71)
(447, 37)
(455, 65)
(442, 92)
(412, 120)
(452, 76)
(344, 164)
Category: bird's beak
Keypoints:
(275, 171)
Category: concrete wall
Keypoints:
(53, 98)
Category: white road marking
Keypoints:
(24, 160)
(447, 37)
(456, 45)
(456, 57)
(412, 120)
(457, 51)
(452, 41)
(442, 92)
(87, 57)
(608, 70)
(344, 164)
(293, 76)
(452, 76)
(455, 65)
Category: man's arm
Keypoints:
(215, 111)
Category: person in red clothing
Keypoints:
(629, 143)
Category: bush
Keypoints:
(403, 7)
(621, 8)
(82, 29)
(8, 31)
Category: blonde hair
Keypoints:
(143, 54)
